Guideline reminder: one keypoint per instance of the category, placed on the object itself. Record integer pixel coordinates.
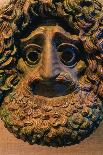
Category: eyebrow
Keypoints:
(35, 37)
(66, 37)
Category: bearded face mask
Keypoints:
(51, 70)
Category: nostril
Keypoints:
(51, 75)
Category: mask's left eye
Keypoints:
(32, 55)
(68, 54)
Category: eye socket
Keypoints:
(68, 54)
(32, 54)
(32, 57)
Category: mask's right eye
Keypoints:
(32, 54)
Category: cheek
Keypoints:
(22, 67)
(77, 71)
(80, 68)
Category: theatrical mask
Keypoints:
(51, 70)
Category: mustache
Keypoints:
(63, 79)
(66, 78)
(62, 85)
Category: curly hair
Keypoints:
(84, 18)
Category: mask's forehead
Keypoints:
(41, 24)
(43, 29)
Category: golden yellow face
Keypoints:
(51, 85)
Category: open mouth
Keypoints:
(52, 89)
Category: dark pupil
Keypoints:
(67, 56)
(32, 56)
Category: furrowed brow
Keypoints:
(36, 37)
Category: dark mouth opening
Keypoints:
(51, 89)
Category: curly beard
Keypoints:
(56, 121)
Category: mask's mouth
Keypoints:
(52, 89)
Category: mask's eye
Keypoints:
(32, 54)
(32, 57)
(68, 54)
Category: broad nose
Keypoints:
(50, 68)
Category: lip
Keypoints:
(51, 89)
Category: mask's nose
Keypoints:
(50, 68)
